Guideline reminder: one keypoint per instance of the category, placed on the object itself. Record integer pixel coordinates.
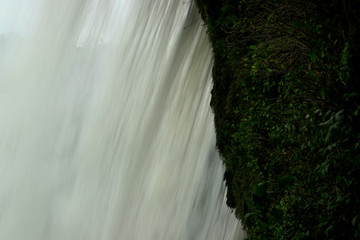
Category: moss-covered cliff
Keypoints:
(287, 115)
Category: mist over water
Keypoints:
(105, 126)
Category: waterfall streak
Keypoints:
(105, 126)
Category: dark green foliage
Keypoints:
(286, 103)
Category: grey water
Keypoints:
(105, 126)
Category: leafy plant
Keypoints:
(286, 103)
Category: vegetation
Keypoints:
(286, 103)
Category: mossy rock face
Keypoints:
(286, 103)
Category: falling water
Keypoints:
(105, 126)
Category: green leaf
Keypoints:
(328, 230)
(251, 214)
(353, 221)
(285, 182)
(260, 190)
(277, 213)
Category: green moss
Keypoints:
(286, 104)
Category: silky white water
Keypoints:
(105, 126)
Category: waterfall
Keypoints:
(105, 126)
